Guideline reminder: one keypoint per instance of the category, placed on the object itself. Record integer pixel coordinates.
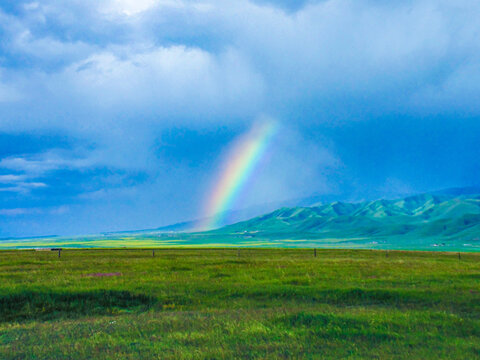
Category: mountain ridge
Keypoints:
(241, 215)
(425, 215)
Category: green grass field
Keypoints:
(255, 303)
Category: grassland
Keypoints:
(255, 303)
(244, 239)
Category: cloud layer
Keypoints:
(102, 102)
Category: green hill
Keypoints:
(439, 218)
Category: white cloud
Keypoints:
(48, 48)
(34, 165)
(169, 80)
(199, 60)
(19, 183)
(133, 7)
(30, 167)
(23, 187)
(11, 178)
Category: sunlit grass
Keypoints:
(244, 303)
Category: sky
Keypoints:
(121, 114)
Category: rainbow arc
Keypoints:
(240, 164)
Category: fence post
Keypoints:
(238, 252)
(459, 256)
(59, 250)
(386, 253)
(153, 253)
(314, 252)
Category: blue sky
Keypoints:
(117, 114)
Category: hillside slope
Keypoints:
(445, 217)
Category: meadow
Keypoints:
(239, 303)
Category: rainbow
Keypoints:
(240, 163)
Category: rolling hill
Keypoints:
(438, 218)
